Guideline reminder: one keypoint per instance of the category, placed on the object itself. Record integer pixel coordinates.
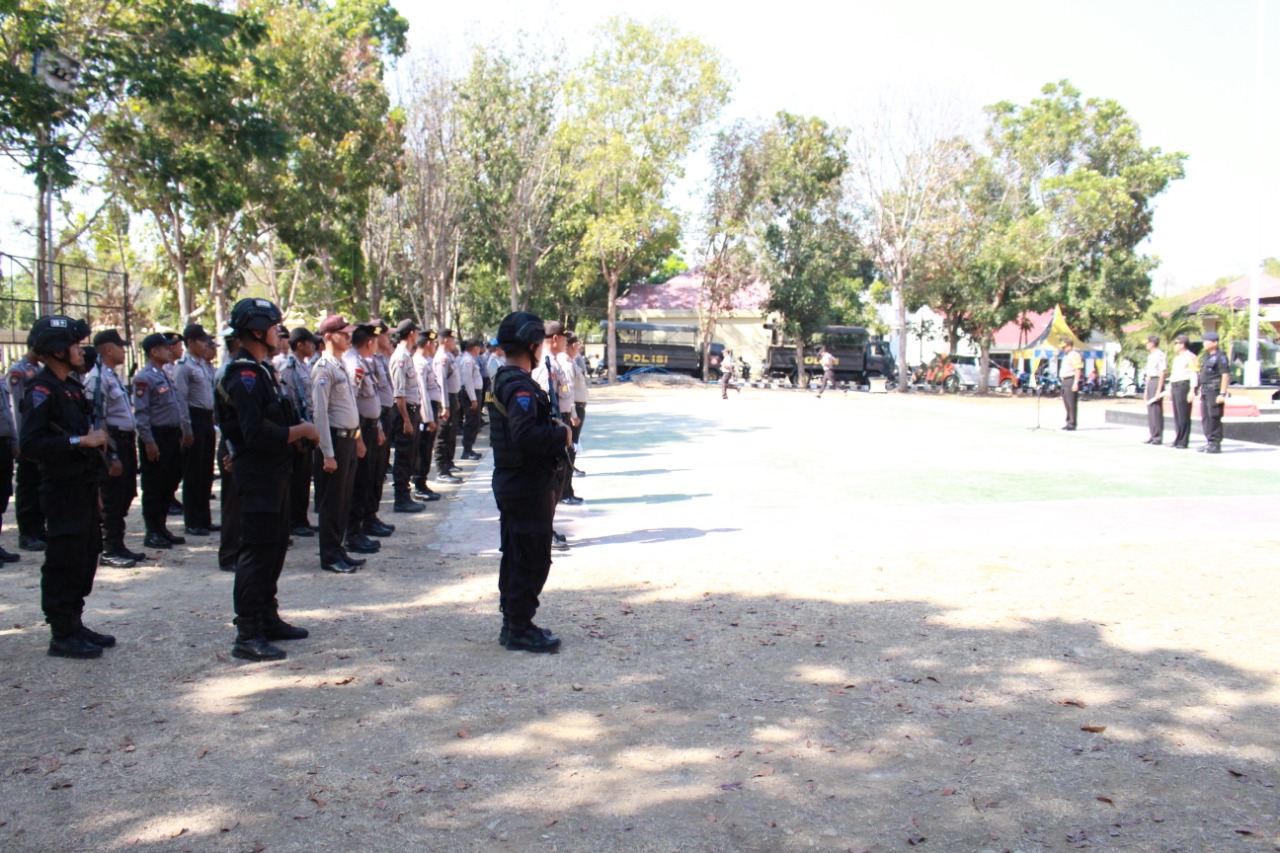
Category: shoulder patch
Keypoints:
(39, 394)
(524, 398)
(249, 378)
(140, 387)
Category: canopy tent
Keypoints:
(1045, 337)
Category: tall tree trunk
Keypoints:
(984, 366)
(611, 336)
(802, 374)
(900, 288)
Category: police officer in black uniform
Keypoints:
(1215, 376)
(529, 452)
(261, 430)
(57, 434)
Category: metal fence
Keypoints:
(101, 297)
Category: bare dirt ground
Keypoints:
(867, 622)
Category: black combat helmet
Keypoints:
(254, 315)
(56, 333)
(521, 328)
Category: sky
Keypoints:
(1184, 69)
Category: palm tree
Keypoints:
(1234, 326)
(1179, 321)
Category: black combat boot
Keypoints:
(104, 640)
(404, 503)
(275, 628)
(251, 643)
(73, 646)
(528, 637)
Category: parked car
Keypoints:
(956, 372)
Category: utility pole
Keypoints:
(1252, 365)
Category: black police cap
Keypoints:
(109, 336)
(153, 340)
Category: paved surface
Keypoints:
(789, 623)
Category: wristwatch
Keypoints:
(75, 441)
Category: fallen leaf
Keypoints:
(967, 741)
(461, 785)
(913, 840)
(1237, 773)
(1076, 702)
(947, 792)
(1106, 800)
(347, 680)
(178, 832)
(1244, 831)
(551, 822)
(463, 733)
(202, 753)
(316, 799)
(1093, 729)
(731, 786)
(766, 772)
(230, 827)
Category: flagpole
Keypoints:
(1252, 366)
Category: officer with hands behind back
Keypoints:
(1215, 376)
(260, 428)
(57, 435)
(529, 451)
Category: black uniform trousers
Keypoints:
(229, 537)
(362, 507)
(406, 448)
(7, 443)
(197, 470)
(300, 484)
(1211, 415)
(580, 409)
(1180, 394)
(1070, 399)
(333, 497)
(71, 553)
(566, 472)
(264, 543)
(160, 478)
(384, 465)
(27, 499)
(447, 437)
(118, 492)
(426, 443)
(470, 422)
(524, 525)
(1155, 412)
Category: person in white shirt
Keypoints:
(432, 409)
(1157, 369)
(473, 396)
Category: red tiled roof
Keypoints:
(681, 294)
(1011, 334)
(1236, 294)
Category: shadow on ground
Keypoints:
(723, 723)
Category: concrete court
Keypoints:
(789, 623)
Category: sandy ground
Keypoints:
(867, 622)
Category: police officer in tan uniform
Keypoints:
(338, 424)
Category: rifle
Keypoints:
(553, 393)
(100, 415)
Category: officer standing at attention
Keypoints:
(1181, 378)
(164, 429)
(1070, 372)
(432, 406)
(112, 411)
(57, 434)
(294, 369)
(356, 361)
(255, 418)
(27, 491)
(406, 416)
(1156, 371)
(581, 394)
(528, 455)
(193, 377)
(1215, 377)
(333, 400)
(451, 386)
(387, 400)
(472, 396)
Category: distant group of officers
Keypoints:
(1208, 376)
(293, 409)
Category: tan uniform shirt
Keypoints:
(333, 401)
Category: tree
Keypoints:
(638, 104)
(807, 245)
(508, 110)
(901, 170)
(729, 259)
(1053, 215)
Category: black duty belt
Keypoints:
(413, 407)
(344, 433)
(119, 431)
(165, 430)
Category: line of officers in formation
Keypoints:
(291, 408)
(1208, 376)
